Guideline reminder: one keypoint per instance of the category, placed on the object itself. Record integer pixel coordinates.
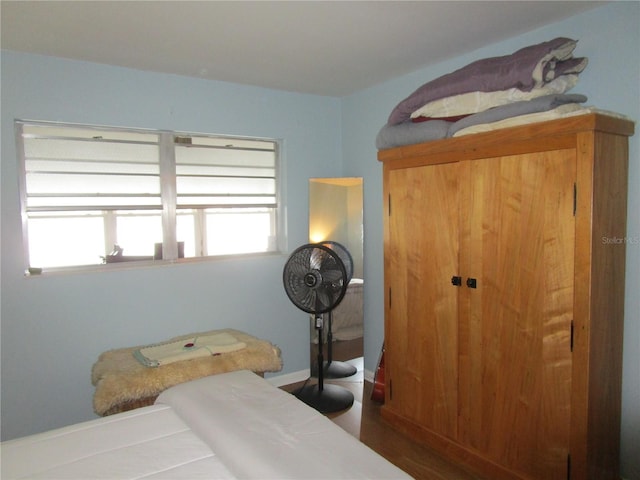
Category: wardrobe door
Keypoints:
(516, 355)
(421, 257)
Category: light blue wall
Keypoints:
(54, 328)
(610, 37)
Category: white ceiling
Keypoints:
(330, 48)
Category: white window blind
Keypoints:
(214, 172)
(194, 195)
(87, 169)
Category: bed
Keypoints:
(232, 425)
(347, 319)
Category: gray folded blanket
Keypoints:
(409, 133)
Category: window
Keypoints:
(95, 195)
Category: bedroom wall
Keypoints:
(54, 328)
(610, 37)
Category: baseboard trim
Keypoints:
(302, 375)
(368, 375)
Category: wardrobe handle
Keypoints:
(456, 281)
(472, 282)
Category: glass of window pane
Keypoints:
(232, 231)
(60, 240)
(138, 232)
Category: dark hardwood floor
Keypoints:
(363, 421)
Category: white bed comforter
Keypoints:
(150, 442)
(234, 425)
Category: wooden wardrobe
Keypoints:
(504, 296)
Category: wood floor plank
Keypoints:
(363, 420)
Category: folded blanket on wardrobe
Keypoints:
(409, 133)
(541, 104)
(563, 111)
(476, 102)
(528, 68)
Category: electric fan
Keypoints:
(335, 369)
(315, 280)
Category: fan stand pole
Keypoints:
(335, 369)
(324, 398)
(319, 323)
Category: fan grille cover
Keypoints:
(315, 278)
(344, 255)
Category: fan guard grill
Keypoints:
(315, 278)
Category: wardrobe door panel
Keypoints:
(421, 257)
(519, 245)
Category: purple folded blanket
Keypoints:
(525, 69)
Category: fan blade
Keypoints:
(308, 300)
(298, 285)
(332, 275)
(298, 269)
(317, 258)
(323, 299)
(302, 296)
(302, 260)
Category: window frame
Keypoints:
(167, 145)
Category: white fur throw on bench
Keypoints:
(123, 383)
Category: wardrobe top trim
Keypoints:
(558, 134)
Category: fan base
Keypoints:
(336, 370)
(331, 398)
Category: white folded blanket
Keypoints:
(476, 102)
(186, 349)
(261, 432)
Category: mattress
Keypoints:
(232, 425)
